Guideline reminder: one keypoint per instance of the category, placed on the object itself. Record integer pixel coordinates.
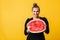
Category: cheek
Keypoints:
(33, 13)
(37, 13)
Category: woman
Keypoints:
(36, 36)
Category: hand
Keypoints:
(28, 31)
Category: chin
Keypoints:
(36, 16)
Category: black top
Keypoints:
(36, 36)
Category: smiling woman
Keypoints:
(15, 13)
(32, 35)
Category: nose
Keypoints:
(35, 13)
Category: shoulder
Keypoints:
(28, 19)
(43, 18)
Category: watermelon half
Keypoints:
(36, 26)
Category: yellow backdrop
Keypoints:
(13, 14)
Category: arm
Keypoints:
(25, 27)
(47, 26)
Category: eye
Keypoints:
(37, 11)
(33, 11)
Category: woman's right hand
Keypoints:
(27, 31)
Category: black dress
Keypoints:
(36, 36)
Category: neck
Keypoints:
(35, 17)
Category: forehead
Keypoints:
(35, 9)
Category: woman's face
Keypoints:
(35, 12)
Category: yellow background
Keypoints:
(13, 14)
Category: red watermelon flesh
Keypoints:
(36, 26)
